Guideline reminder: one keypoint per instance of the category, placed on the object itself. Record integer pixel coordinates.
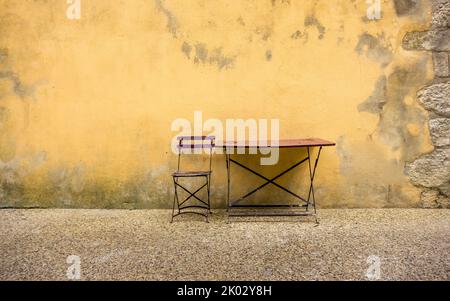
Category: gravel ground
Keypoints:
(411, 244)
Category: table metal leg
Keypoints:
(227, 158)
(312, 174)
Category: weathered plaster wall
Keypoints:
(86, 105)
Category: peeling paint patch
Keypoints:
(405, 7)
(201, 53)
(268, 55)
(186, 49)
(374, 48)
(214, 57)
(313, 21)
(298, 35)
(3, 54)
(222, 61)
(402, 125)
(241, 21)
(172, 23)
(375, 102)
(264, 32)
(275, 2)
(3, 116)
(19, 88)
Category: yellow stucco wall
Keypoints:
(86, 105)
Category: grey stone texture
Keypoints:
(445, 189)
(431, 170)
(432, 199)
(440, 131)
(441, 64)
(433, 40)
(441, 13)
(436, 98)
(429, 199)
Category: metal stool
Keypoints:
(207, 142)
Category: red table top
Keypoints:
(283, 143)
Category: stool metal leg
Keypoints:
(208, 179)
(227, 158)
(208, 210)
(175, 199)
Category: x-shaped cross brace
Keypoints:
(310, 200)
(268, 181)
(191, 195)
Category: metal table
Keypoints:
(306, 203)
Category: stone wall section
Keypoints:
(432, 171)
